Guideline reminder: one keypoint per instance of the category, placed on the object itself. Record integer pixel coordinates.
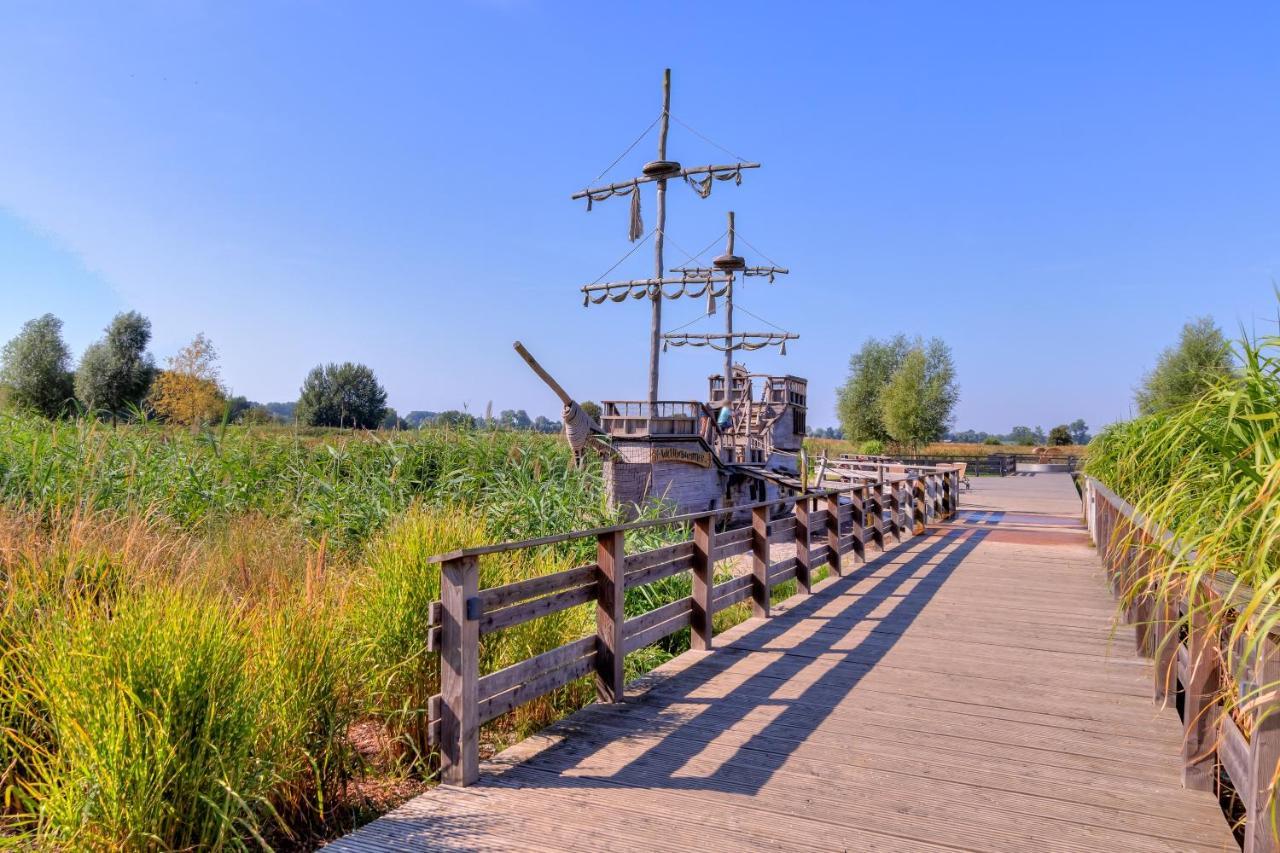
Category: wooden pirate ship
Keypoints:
(739, 444)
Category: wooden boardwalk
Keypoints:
(967, 691)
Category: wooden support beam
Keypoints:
(1166, 651)
(895, 511)
(460, 671)
(611, 558)
(919, 511)
(683, 173)
(833, 534)
(858, 523)
(804, 570)
(1263, 671)
(1200, 695)
(703, 580)
(760, 561)
(875, 508)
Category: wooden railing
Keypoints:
(996, 464)
(1225, 748)
(823, 526)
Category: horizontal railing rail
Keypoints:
(822, 526)
(1239, 745)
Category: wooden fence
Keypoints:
(823, 526)
(994, 464)
(1225, 749)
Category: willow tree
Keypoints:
(115, 373)
(922, 377)
(35, 368)
(1187, 370)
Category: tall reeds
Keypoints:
(1208, 473)
(193, 627)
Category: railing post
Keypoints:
(1200, 720)
(919, 511)
(895, 511)
(858, 523)
(804, 571)
(460, 671)
(760, 561)
(611, 560)
(1166, 645)
(876, 508)
(833, 534)
(1264, 748)
(703, 570)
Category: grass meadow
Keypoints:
(217, 640)
(1209, 473)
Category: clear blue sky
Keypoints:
(1052, 188)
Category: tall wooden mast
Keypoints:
(728, 321)
(656, 289)
(659, 267)
(733, 268)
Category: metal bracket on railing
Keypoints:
(474, 610)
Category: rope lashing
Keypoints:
(578, 427)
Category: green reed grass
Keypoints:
(1209, 474)
(191, 625)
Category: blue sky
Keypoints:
(1051, 188)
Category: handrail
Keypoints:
(1190, 664)
(686, 518)
(824, 526)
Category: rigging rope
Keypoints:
(707, 140)
(738, 234)
(628, 151)
(630, 252)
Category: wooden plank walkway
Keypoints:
(966, 691)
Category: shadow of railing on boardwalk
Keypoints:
(686, 723)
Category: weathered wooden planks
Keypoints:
(887, 711)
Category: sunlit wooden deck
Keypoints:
(967, 690)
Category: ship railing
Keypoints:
(640, 418)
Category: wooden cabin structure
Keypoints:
(689, 456)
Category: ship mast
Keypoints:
(655, 322)
(732, 266)
(660, 171)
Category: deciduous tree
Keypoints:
(858, 400)
(115, 373)
(35, 368)
(189, 391)
(342, 395)
(1186, 370)
(1060, 436)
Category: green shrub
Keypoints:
(872, 447)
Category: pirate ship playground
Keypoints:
(742, 442)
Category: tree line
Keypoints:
(116, 379)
